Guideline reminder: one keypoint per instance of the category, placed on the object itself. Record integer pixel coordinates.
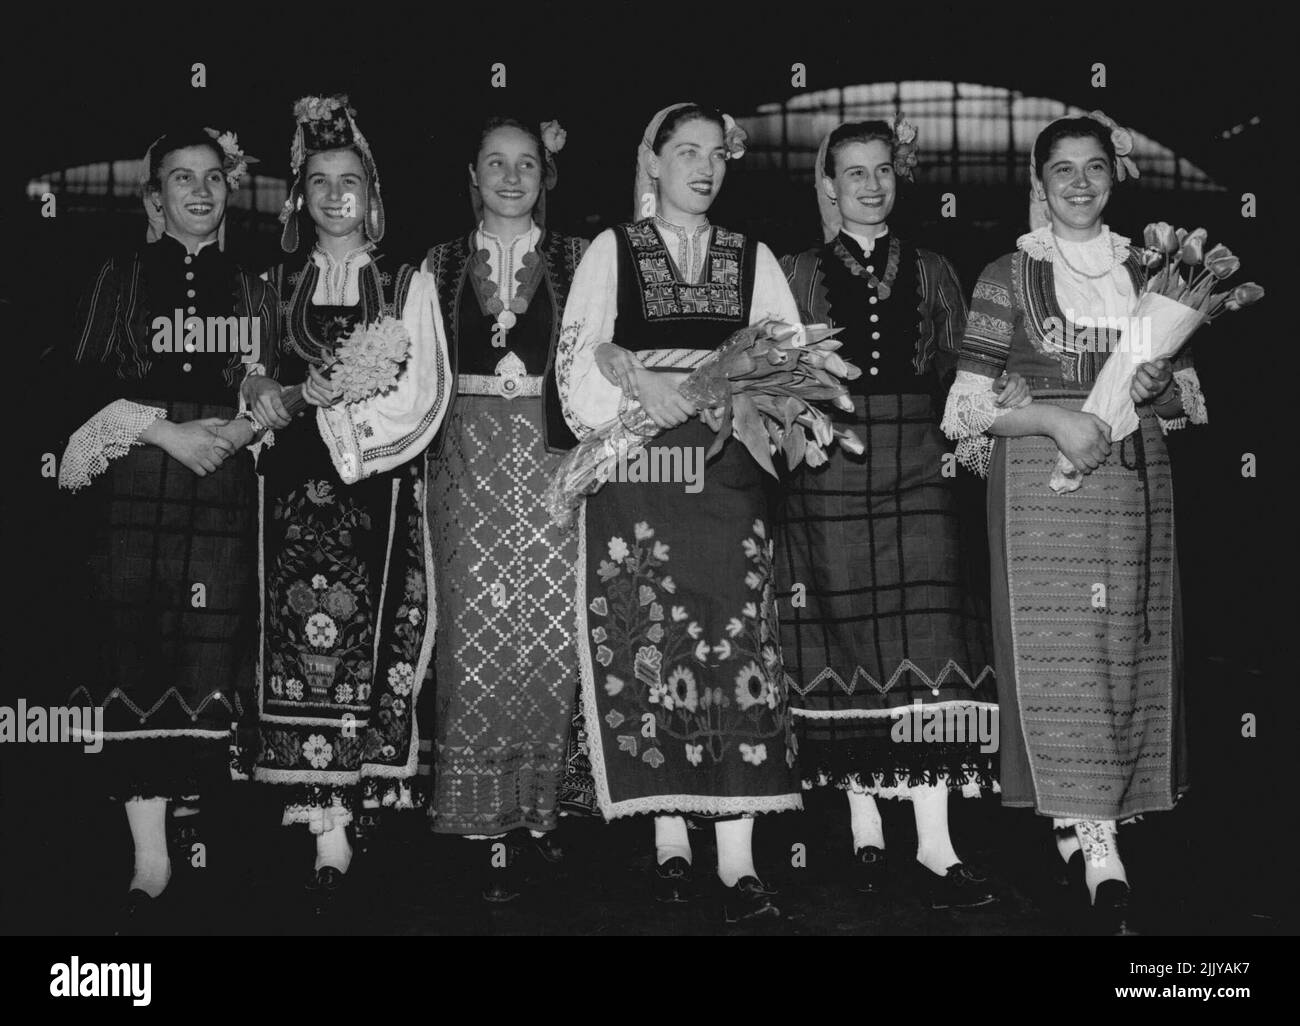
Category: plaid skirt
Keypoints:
(879, 612)
(172, 620)
(1088, 628)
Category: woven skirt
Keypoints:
(1087, 628)
(506, 668)
(681, 669)
(171, 629)
(879, 612)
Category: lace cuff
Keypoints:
(108, 435)
(1193, 399)
(969, 414)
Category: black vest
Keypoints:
(532, 339)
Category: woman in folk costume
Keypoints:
(170, 507)
(346, 634)
(1090, 691)
(885, 619)
(506, 665)
(681, 671)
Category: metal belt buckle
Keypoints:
(511, 371)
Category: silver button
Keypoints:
(875, 370)
(872, 299)
(190, 309)
(187, 367)
(875, 354)
(189, 275)
(189, 259)
(190, 293)
(875, 335)
(871, 269)
(874, 317)
(190, 347)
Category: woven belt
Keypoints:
(507, 387)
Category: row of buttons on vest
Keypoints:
(189, 276)
(875, 318)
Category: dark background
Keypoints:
(85, 88)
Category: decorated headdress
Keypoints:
(553, 137)
(903, 145)
(1120, 138)
(328, 123)
(234, 164)
(644, 200)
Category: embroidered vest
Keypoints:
(657, 310)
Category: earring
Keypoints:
(298, 205)
(835, 202)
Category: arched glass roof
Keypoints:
(967, 133)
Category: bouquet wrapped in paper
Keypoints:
(1173, 304)
(766, 386)
(366, 363)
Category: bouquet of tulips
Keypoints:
(1177, 298)
(367, 362)
(765, 384)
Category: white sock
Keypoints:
(934, 848)
(333, 849)
(1067, 842)
(864, 817)
(735, 850)
(1100, 853)
(147, 818)
(671, 841)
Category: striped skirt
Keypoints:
(1087, 628)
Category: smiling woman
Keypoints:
(170, 504)
(677, 586)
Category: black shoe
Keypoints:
(323, 889)
(749, 899)
(1069, 874)
(961, 888)
(503, 884)
(673, 881)
(548, 847)
(365, 828)
(183, 833)
(138, 916)
(1110, 913)
(870, 871)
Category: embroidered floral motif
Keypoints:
(670, 659)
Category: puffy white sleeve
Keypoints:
(587, 399)
(387, 430)
(772, 295)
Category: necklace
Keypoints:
(1082, 274)
(526, 278)
(883, 286)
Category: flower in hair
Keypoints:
(733, 137)
(317, 108)
(1122, 140)
(234, 160)
(905, 158)
(553, 136)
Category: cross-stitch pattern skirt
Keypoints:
(505, 660)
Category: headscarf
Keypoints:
(553, 137)
(903, 147)
(234, 163)
(644, 199)
(1120, 138)
(328, 123)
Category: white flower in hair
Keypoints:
(733, 137)
(553, 136)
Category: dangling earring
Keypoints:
(298, 204)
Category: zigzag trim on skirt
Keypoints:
(949, 668)
(895, 712)
(124, 699)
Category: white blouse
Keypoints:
(504, 260)
(337, 283)
(587, 398)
